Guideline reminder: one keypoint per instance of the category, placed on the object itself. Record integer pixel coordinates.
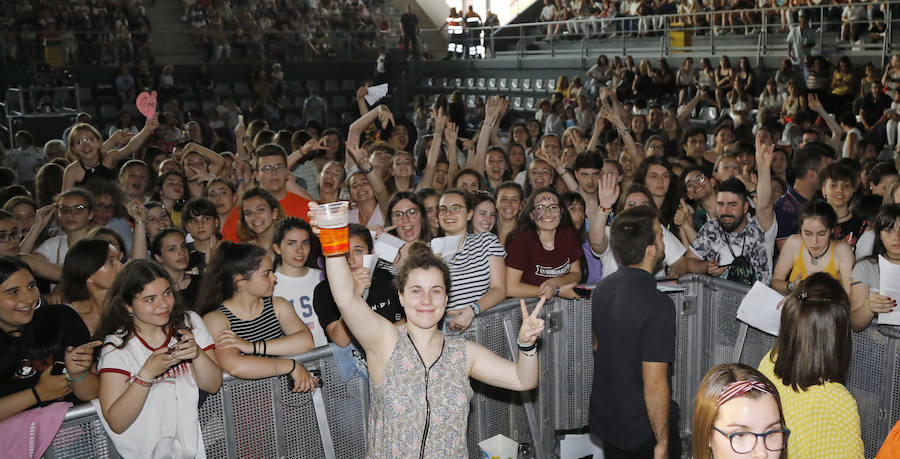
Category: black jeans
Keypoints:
(645, 451)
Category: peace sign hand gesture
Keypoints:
(532, 324)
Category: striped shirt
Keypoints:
(470, 268)
(264, 326)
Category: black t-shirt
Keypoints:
(633, 322)
(189, 294)
(43, 341)
(850, 230)
(382, 298)
(408, 23)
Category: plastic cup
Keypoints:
(332, 221)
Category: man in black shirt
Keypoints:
(634, 331)
(874, 114)
(409, 22)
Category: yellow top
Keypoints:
(799, 272)
(823, 419)
(842, 83)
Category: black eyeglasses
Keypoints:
(410, 213)
(744, 442)
(15, 233)
(72, 210)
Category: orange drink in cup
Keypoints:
(332, 221)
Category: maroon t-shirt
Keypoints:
(527, 254)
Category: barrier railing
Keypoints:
(262, 418)
(514, 37)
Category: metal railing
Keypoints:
(512, 40)
(262, 418)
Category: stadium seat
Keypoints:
(109, 112)
(223, 90)
(517, 103)
(529, 103)
(470, 83)
(429, 82)
(313, 85)
(470, 100)
(482, 83)
(295, 88)
(514, 84)
(504, 84)
(348, 86)
(339, 103)
(442, 83)
(526, 84)
(539, 84)
(85, 95)
(492, 83)
(457, 83)
(189, 105)
(242, 90)
(331, 86)
(551, 85)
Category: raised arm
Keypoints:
(607, 194)
(42, 218)
(138, 213)
(216, 162)
(434, 153)
(491, 117)
(832, 123)
(361, 99)
(524, 374)
(373, 176)
(113, 157)
(375, 333)
(765, 212)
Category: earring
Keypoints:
(38, 304)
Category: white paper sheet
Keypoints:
(759, 308)
(376, 93)
(889, 285)
(446, 247)
(369, 262)
(387, 247)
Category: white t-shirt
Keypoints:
(674, 250)
(55, 249)
(299, 292)
(170, 411)
(375, 220)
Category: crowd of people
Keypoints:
(855, 19)
(174, 250)
(283, 30)
(85, 32)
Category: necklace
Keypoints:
(814, 259)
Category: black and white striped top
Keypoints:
(264, 326)
(470, 270)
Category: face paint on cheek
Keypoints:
(538, 214)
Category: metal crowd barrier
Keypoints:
(262, 418)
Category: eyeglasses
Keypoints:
(630, 204)
(86, 140)
(744, 442)
(697, 181)
(16, 233)
(409, 213)
(552, 208)
(72, 210)
(269, 168)
(452, 210)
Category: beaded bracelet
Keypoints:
(76, 380)
(526, 347)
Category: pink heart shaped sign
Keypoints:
(146, 103)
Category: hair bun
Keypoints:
(419, 249)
